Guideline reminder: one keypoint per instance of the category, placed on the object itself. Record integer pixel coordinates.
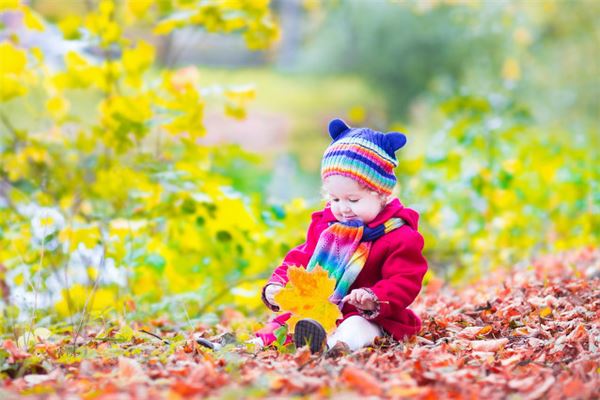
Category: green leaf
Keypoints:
(125, 333)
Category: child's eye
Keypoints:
(354, 200)
(335, 200)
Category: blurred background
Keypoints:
(156, 154)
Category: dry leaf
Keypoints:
(306, 295)
(361, 381)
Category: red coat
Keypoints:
(394, 269)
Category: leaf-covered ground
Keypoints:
(530, 333)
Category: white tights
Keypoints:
(356, 331)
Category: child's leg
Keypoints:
(356, 332)
(268, 334)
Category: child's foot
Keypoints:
(310, 332)
(339, 349)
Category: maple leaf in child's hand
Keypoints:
(306, 295)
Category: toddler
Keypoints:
(366, 239)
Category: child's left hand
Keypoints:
(360, 298)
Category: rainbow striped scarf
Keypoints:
(343, 249)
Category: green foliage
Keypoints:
(397, 49)
(494, 190)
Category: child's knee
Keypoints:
(356, 332)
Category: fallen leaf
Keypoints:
(488, 345)
(306, 295)
(545, 312)
(361, 380)
(131, 370)
(14, 351)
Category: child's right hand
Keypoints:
(270, 291)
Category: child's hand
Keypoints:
(271, 291)
(360, 298)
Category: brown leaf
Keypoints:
(302, 356)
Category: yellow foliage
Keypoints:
(69, 26)
(139, 8)
(307, 294)
(103, 24)
(115, 184)
(89, 235)
(187, 104)
(57, 107)
(136, 61)
(32, 20)
(12, 69)
(74, 299)
(19, 165)
(9, 4)
(79, 73)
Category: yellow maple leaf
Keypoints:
(306, 295)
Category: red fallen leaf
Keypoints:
(185, 388)
(541, 387)
(130, 369)
(471, 332)
(159, 322)
(48, 348)
(578, 334)
(181, 371)
(14, 351)
(573, 388)
(297, 383)
(522, 384)
(302, 356)
(488, 345)
(206, 373)
(361, 380)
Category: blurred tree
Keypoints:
(398, 49)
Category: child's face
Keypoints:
(351, 201)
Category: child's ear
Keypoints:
(395, 140)
(337, 127)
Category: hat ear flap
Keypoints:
(336, 128)
(395, 140)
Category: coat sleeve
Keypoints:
(402, 276)
(298, 256)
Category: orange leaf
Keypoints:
(130, 369)
(306, 295)
(545, 312)
(361, 380)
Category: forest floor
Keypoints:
(528, 332)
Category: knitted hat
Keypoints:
(362, 154)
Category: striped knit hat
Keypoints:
(365, 155)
